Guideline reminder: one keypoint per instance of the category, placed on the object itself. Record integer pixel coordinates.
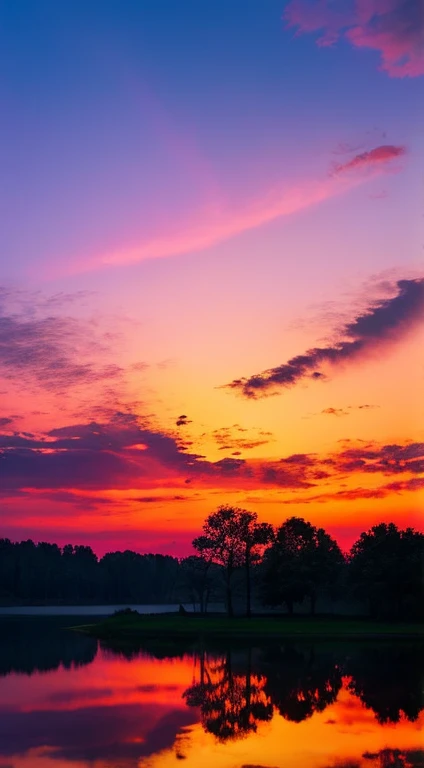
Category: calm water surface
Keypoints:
(90, 610)
(67, 702)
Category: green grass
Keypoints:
(174, 626)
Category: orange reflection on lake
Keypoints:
(72, 704)
(345, 734)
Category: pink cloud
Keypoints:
(382, 154)
(394, 28)
(217, 224)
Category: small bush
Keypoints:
(126, 612)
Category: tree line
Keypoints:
(47, 574)
(297, 562)
(237, 559)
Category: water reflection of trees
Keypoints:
(301, 681)
(232, 700)
(388, 680)
(387, 758)
(42, 645)
(236, 690)
(396, 758)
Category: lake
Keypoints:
(91, 610)
(67, 701)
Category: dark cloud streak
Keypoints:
(385, 321)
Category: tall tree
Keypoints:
(254, 536)
(301, 561)
(195, 575)
(386, 569)
(221, 543)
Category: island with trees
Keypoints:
(293, 578)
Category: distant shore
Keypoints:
(87, 609)
(173, 626)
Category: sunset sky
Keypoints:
(211, 265)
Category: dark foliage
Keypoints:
(302, 562)
(44, 573)
(386, 570)
(237, 556)
(233, 539)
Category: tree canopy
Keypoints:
(386, 569)
(301, 560)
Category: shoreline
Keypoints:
(174, 626)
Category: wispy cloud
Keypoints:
(230, 439)
(331, 411)
(54, 352)
(41, 348)
(335, 412)
(394, 28)
(385, 321)
(359, 493)
(217, 224)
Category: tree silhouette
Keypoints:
(45, 573)
(221, 544)
(254, 537)
(232, 537)
(195, 575)
(386, 568)
(301, 560)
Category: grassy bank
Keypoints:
(136, 627)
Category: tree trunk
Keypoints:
(248, 586)
(229, 601)
(230, 610)
(313, 599)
